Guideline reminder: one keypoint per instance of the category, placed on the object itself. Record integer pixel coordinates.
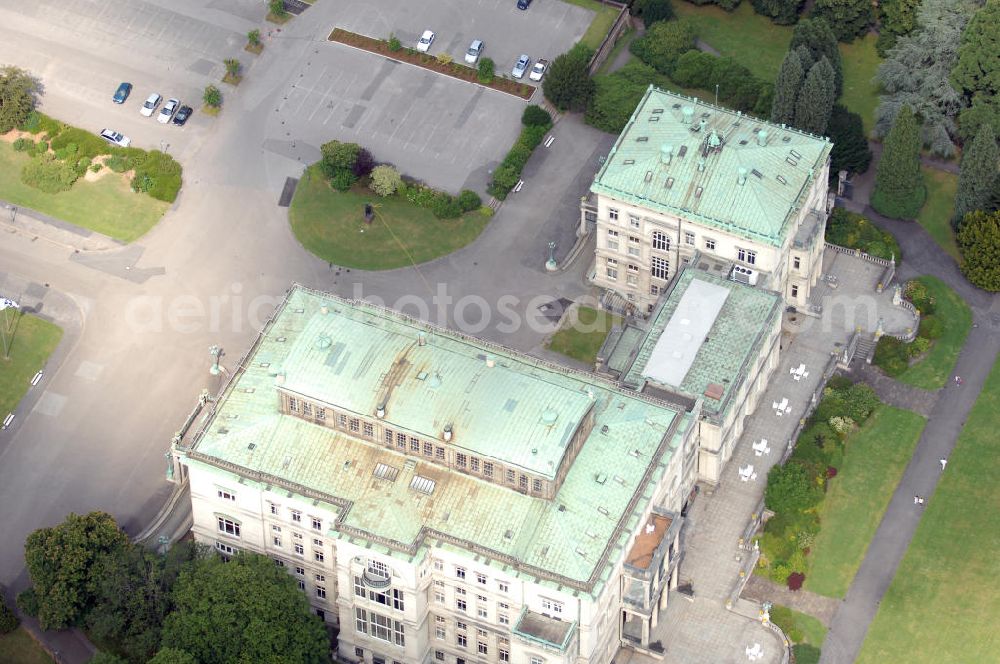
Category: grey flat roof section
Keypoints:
(684, 333)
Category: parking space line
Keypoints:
(322, 100)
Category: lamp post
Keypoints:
(550, 264)
(216, 353)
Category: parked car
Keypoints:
(115, 137)
(152, 101)
(538, 70)
(183, 113)
(122, 93)
(520, 67)
(426, 40)
(475, 50)
(167, 112)
(523, 4)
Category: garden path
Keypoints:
(761, 589)
(895, 393)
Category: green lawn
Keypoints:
(331, 225)
(33, 341)
(934, 370)
(874, 460)
(581, 336)
(598, 30)
(798, 627)
(19, 648)
(943, 605)
(860, 94)
(935, 215)
(107, 206)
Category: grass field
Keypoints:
(935, 215)
(582, 344)
(34, 340)
(598, 30)
(934, 370)
(943, 605)
(860, 94)
(107, 206)
(797, 626)
(19, 648)
(874, 460)
(331, 225)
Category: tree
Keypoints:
(172, 656)
(17, 97)
(663, 43)
(847, 18)
(978, 177)
(212, 96)
(244, 610)
(980, 113)
(786, 89)
(977, 72)
(850, 147)
(535, 116)
(817, 36)
(790, 489)
(385, 180)
(8, 619)
(568, 84)
(232, 67)
(896, 18)
(652, 11)
(277, 8)
(782, 12)
(813, 107)
(979, 242)
(339, 159)
(63, 565)
(253, 37)
(899, 184)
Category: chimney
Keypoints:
(666, 153)
(762, 137)
(687, 114)
(490, 362)
(742, 176)
(447, 433)
(421, 339)
(380, 411)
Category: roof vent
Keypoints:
(380, 411)
(534, 450)
(666, 153)
(701, 125)
(435, 381)
(697, 192)
(324, 310)
(701, 165)
(682, 151)
(741, 177)
(549, 417)
(669, 183)
(421, 339)
(781, 179)
(649, 176)
(687, 115)
(601, 478)
(490, 362)
(447, 433)
(323, 342)
(762, 137)
(714, 391)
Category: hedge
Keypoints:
(506, 175)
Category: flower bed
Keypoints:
(453, 69)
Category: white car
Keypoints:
(520, 67)
(148, 106)
(426, 40)
(538, 70)
(116, 138)
(475, 50)
(167, 112)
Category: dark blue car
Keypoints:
(523, 4)
(121, 94)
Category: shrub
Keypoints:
(791, 489)
(486, 211)
(854, 231)
(663, 43)
(891, 356)
(469, 200)
(616, 95)
(158, 175)
(8, 620)
(385, 180)
(839, 382)
(79, 142)
(48, 174)
(363, 163)
(504, 179)
(486, 71)
(232, 67)
(27, 601)
(931, 327)
(212, 96)
(795, 580)
(444, 58)
(96, 167)
(842, 425)
(117, 163)
(531, 137)
(338, 157)
(860, 401)
(445, 207)
(781, 572)
(343, 180)
(917, 293)
(277, 8)
(23, 144)
(918, 347)
(253, 37)
(394, 43)
(82, 164)
(738, 88)
(536, 116)
(104, 657)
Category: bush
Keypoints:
(23, 144)
(568, 85)
(891, 356)
(96, 167)
(854, 231)
(277, 8)
(652, 11)
(444, 58)
(486, 211)
(27, 601)
(468, 200)
(791, 489)
(394, 43)
(82, 164)
(385, 180)
(159, 176)
(338, 157)
(738, 88)
(104, 657)
(860, 401)
(486, 71)
(930, 328)
(253, 37)
(617, 95)
(536, 116)
(918, 294)
(795, 580)
(363, 163)
(48, 174)
(117, 163)
(212, 96)
(445, 207)
(8, 620)
(343, 180)
(918, 347)
(663, 43)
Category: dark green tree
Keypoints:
(978, 176)
(782, 12)
(815, 103)
(8, 619)
(17, 97)
(663, 43)
(850, 147)
(979, 242)
(212, 96)
(899, 184)
(535, 116)
(848, 19)
(816, 35)
(172, 656)
(976, 74)
(896, 18)
(790, 489)
(981, 112)
(786, 89)
(568, 84)
(618, 94)
(63, 562)
(244, 610)
(652, 11)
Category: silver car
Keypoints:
(475, 50)
(115, 137)
(167, 112)
(520, 67)
(148, 106)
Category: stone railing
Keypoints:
(859, 254)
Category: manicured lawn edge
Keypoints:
(429, 62)
(935, 215)
(935, 369)
(33, 343)
(20, 647)
(604, 18)
(579, 344)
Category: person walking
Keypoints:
(944, 462)
(917, 500)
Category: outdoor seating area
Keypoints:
(747, 473)
(799, 372)
(760, 448)
(781, 407)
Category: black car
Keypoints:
(122, 93)
(523, 4)
(182, 115)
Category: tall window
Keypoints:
(746, 255)
(460, 572)
(612, 239)
(710, 244)
(613, 214)
(293, 405)
(689, 238)
(634, 248)
(317, 523)
(307, 409)
(378, 568)
(797, 262)
(633, 221)
(660, 267)
(660, 241)
(369, 430)
(296, 516)
(228, 526)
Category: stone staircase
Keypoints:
(866, 348)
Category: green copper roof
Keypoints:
(682, 156)
(628, 449)
(722, 356)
